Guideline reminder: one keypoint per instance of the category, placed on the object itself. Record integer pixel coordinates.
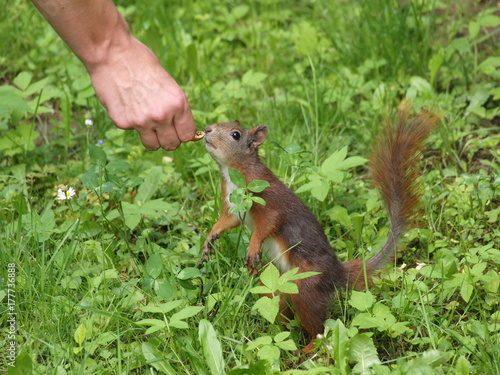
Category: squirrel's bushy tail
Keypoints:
(394, 169)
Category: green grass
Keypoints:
(110, 282)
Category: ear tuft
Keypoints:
(236, 122)
(257, 136)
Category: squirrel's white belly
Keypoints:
(230, 187)
(270, 246)
(274, 253)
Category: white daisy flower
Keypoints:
(89, 122)
(67, 193)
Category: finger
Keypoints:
(167, 136)
(184, 124)
(149, 139)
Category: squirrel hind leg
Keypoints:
(311, 307)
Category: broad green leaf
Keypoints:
(340, 214)
(237, 196)
(163, 288)
(132, 221)
(258, 186)
(270, 353)
(154, 265)
(333, 162)
(303, 275)
(133, 182)
(117, 166)
(23, 365)
(105, 275)
(363, 352)
(155, 325)
(90, 180)
(80, 334)
(435, 63)
(18, 140)
(150, 185)
(288, 287)
(97, 155)
(491, 281)
(466, 291)
(361, 301)
(421, 85)
(253, 79)
(43, 88)
(462, 366)
(478, 99)
(479, 268)
(156, 207)
(366, 321)
(269, 277)
(340, 341)
(321, 191)
(289, 275)
(151, 322)
(305, 37)
(23, 80)
(293, 149)
(177, 319)
(281, 336)
(352, 162)
(315, 181)
(108, 187)
(261, 289)
(132, 214)
(267, 307)
(47, 221)
(432, 358)
(211, 347)
(259, 200)
(490, 65)
(162, 308)
(154, 358)
(461, 45)
(261, 367)
(260, 341)
(240, 11)
(287, 345)
(237, 178)
(188, 273)
(489, 20)
(11, 99)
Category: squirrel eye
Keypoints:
(235, 135)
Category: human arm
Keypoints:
(128, 79)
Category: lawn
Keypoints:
(110, 281)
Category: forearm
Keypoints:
(93, 29)
(128, 79)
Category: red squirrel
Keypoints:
(287, 230)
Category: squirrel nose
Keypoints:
(208, 129)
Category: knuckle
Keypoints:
(178, 103)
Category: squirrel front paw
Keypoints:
(207, 246)
(207, 249)
(252, 262)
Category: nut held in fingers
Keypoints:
(198, 135)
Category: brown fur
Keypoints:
(297, 234)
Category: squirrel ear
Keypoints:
(236, 122)
(257, 136)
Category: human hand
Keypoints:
(139, 94)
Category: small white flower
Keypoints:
(67, 193)
(89, 122)
(420, 266)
